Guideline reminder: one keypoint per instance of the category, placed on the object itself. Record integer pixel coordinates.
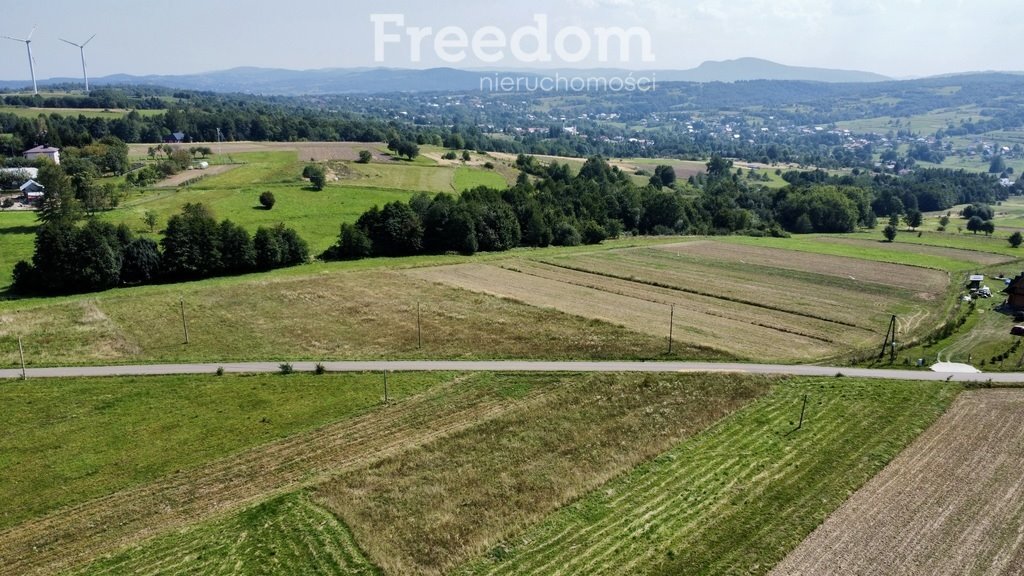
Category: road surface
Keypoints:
(511, 366)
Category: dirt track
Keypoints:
(81, 533)
(951, 503)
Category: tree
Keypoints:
(889, 232)
(150, 220)
(975, 224)
(364, 157)
(913, 218)
(988, 227)
(1016, 239)
(944, 221)
(465, 156)
(191, 243)
(997, 166)
(59, 203)
(352, 244)
(316, 174)
(666, 175)
(236, 248)
(718, 167)
(395, 230)
(267, 200)
(141, 262)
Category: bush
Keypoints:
(286, 369)
(565, 234)
(316, 174)
(220, 370)
(364, 157)
(489, 165)
(449, 156)
(319, 369)
(267, 200)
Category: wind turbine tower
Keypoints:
(31, 63)
(81, 49)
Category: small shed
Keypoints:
(974, 282)
(1015, 292)
(174, 138)
(32, 187)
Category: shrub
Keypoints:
(220, 370)
(364, 157)
(267, 200)
(286, 369)
(319, 369)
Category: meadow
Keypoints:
(753, 303)
(27, 112)
(502, 474)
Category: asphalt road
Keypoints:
(510, 366)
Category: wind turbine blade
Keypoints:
(68, 41)
(30, 34)
(11, 38)
(87, 41)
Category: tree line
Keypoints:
(73, 256)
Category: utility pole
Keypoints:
(184, 325)
(21, 351)
(385, 385)
(419, 333)
(890, 341)
(802, 410)
(671, 325)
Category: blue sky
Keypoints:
(899, 38)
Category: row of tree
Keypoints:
(71, 256)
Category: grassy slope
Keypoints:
(737, 498)
(23, 112)
(17, 241)
(70, 440)
(288, 534)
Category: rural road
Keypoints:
(510, 366)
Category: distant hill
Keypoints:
(375, 80)
(758, 69)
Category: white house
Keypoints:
(53, 154)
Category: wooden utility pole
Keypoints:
(890, 341)
(419, 333)
(802, 410)
(21, 352)
(184, 325)
(671, 324)
(385, 385)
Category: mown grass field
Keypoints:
(737, 498)
(756, 303)
(329, 315)
(599, 474)
(70, 440)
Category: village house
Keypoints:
(32, 191)
(1015, 293)
(49, 152)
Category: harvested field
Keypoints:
(287, 535)
(427, 510)
(952, 503)
(352, 315)
(882, 273)
(742, 309)
(735, 498)
(84, 532)
(645, 310)
(971, 256)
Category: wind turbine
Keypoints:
(81, 48)
(31, 64)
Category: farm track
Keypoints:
(952, 503)
(84, 532)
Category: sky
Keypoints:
(898, 38)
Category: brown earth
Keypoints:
(951, 503)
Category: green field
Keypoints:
(589, 474)
(317, 216)
(70, 440)
(23, 112)
(736, 499)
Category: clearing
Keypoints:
(952, 503)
